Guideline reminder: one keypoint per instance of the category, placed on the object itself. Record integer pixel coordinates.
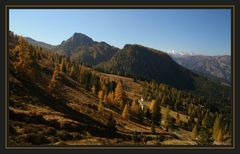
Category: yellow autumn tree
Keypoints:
(155, 111)
(63, 67)
(26, 59)
(110, 97)
(53, 84)
(125, 113)
(219, 137)
(100, 95)
(134, 107)
(22, 51)
(119, 93)
(194, 132)
(100, 103)
(165, 117)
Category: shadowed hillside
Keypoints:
(148, 64)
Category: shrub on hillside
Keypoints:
(36, 139)
(64, 135)
(12, 130)
(50, 131)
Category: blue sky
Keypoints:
(201, 31)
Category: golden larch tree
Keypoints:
(125, 113)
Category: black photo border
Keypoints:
(232, 6)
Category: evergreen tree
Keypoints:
(112, 86)
(95, 84)
(204, 137)
(148, 114)
(111, 125)
(134, 136)
(226, 128)
(33, 67)
(136, 110)
(190, 109)
(107, 83)
(164, 101)
(153, 128)
(134, 107)
(191, 122)
(165, 117)
(87, 82)
(205, 121)
(176, 105)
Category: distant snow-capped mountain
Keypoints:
(210, 66)
(179, 53)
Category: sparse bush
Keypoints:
(29, 130)
(36, 139)
(144, 138)
(12, 130)
(68, 126)
(76, 136)
(160, 138)
(64, 135)
(54, 123)
(134, 136)
(50, 131)
(153, 128)
(53, 139)
(205, 137)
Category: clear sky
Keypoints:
(201, 31)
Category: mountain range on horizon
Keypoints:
(84, 49)
(170, 52)
(214, 67)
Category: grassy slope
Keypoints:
(72, 114)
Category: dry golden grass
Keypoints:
(75, 99)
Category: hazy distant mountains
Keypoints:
(142, 62)
(210, 66)
(38, 43)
